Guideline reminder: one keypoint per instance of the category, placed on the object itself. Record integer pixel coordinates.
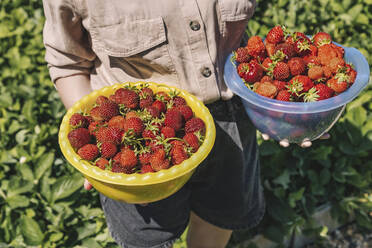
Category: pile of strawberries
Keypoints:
(137, 130)
(291, 67)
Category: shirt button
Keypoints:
(194, 25)
(206, 72)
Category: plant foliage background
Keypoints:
(42, 202)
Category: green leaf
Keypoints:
(283, 179)
(295, 196)
(18, 201)
(275, 233)
(87, 230)
(31, 231)
(66, 185)
(18, 186)
(355, 10)
(325, 176)
(43, 164)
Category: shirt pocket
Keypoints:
(142, 40)
(235, 11)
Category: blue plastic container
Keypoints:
(296, 121)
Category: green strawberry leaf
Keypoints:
(31, 231)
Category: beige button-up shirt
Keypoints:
(183, 43)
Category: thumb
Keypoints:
(87, 185)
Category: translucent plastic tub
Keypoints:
(296, 121)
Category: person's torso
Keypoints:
(182, 43)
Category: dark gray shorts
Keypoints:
(225, 189)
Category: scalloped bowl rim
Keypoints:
(360, 83)
(137, 179)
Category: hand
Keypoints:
(87, 184)
(304, 144)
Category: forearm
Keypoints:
(73, 88)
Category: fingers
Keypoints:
(87, 185)
(265, 136)
(284, 143)
(306, 143)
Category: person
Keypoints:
(92, 44)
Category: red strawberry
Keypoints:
(323, 91)
(95, 114)
(146, 92)
(88, 152)
(310, 59)
(270, 48)
(101, 99)
(338, 85)
(174, 119)
(160, 105)
(145, 102)
(168, 132)
(146, 168)
(296, 66)
(192, 140)
(315, 72)
(251, 72)
(283, 95)
(351, 73)
(178, 154)
(266, 79)
(117, 168)
(313, 50)
(129, 98)
(327, 71)
(266, 63)
(256, 47)
(154, 111)
(109, 134)
(102, 163)
(266, 89)
(287, 49)
(302, 47)
(158, 161)
(321, 38)
(108, 150)
(326, 53)
(241, 55)
(163, 96)
(336, 63)
(117, 121)
(131, 114)
(134, 124)
(195, 124)
(128, 158)
(281, 71)
(301, 83)
(144, 157)
(186, 112)
(116, 158)
(94, 127)
(79, 137)
(78, 120)
(108, 109)
(178, 101)
(280, 85)
(275, 35)
(156, 145)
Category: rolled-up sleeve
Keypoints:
(67, 44)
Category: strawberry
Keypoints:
(195, 124)
(101, 99)
(302, 83)
(270, 48)
(94, 127)
(108, 109)
(326, 53)
(95, 114)
(146, 168)
(275, 35)
(192, 140)
(266, 89)
(302, 47)
(256, 48)
(186, 112)
(339, 50)
(78, 120)
(311, 59)
(327, 71)
(338, 83)
(174, 119)
(168, 132)
(266, 63)
(134, 124)
(79, 137)
(153, 111)
(102, 163)
(88, 152)
(351, 73)
(160, 105)
(117, 168)
(283, 95)
(158, 160)
(266, 79)
(251, 72)
(315, 72)
(108, 150)
(336, 63)
(296, 66)
(128, 158)
(145, 102)
(323, 91)
(313, 50)
(117, 121)
(128, 97)
(287, 49)
(146, 92)
(163, 96)
(321, 38)
(109, 134)
(178, 101)
(144, 156)
(116, 158)
(131, 114)
(280, 85)
(178, 154)
(281, 71)
(241, 55)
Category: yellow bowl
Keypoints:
(138, 188)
